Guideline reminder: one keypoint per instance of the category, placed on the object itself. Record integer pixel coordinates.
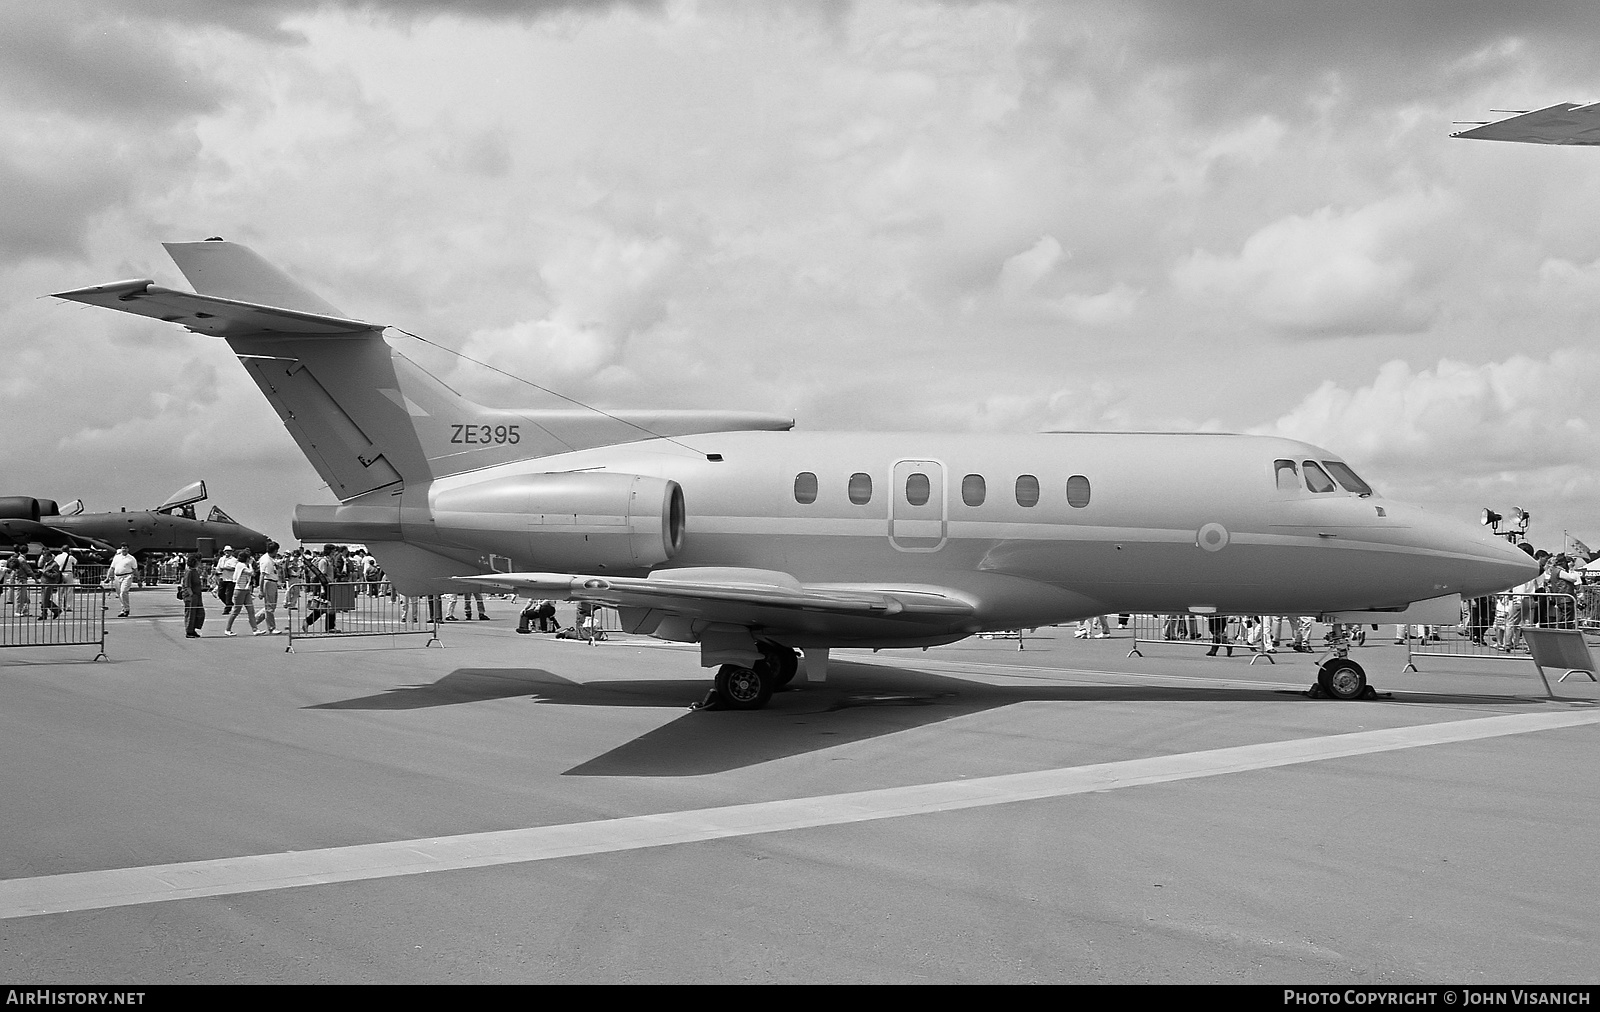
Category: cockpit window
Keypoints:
(1288, 475)
(1347, 477)
(1317, 479)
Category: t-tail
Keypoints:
(373, 423)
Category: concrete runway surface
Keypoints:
(520, 809)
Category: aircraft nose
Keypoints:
(1483, 563)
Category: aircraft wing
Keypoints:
(728, 595)
(1562, 123)
(207, 314)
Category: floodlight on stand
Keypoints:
(1490, 518)
(1521, 517)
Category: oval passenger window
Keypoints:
(860, 488)
(917, 489)
(805, 487)
(1027, 490)
(973, 490)
(1077, 491)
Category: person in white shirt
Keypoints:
(225, 567)
(69, 577)
(270, 570)
(124, 570)
(243, 594)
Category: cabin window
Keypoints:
(1027, 490)
(1077, 491)
(860, 488)
(973, 490)
(805, 488)
(1288, 476)
(1347, 477)
(917, 488)
(1317, 479)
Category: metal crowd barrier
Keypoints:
(1195, 630)
(317, 611)
(1493, 637)
(74, 615)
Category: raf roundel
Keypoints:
(1212, 537)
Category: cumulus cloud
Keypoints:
(893, 215)
(1522, 427)
(1032, 283)
(1324, 273)
(603, 296)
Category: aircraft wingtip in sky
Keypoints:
(1562, 123)
(754, 541)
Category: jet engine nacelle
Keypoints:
(21, 507)
(577, 521)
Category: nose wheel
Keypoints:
(1342, 678)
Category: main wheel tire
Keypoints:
(780, 662)
(743, 688)
(1342, 678)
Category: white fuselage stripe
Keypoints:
(115, 887)
(986, 530)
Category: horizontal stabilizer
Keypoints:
(209, 314)
(704, 593)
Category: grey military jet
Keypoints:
(170, 527)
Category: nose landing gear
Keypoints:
(1342, 678)
(1339, 677)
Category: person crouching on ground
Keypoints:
(243, 594)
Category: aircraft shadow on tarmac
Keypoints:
(858, 702)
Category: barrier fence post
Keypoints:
(36, 614)
(1503, 638)
(315, 611)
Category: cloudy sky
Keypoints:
(1239, 215)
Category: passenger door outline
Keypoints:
(918, 528)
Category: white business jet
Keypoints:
(729, 530)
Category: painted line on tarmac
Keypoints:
(96, 890)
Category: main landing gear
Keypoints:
(741, 688)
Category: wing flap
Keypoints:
(208, 314)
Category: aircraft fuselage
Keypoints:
(1030, 529)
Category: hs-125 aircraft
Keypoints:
(730, 530)
(170, 527)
